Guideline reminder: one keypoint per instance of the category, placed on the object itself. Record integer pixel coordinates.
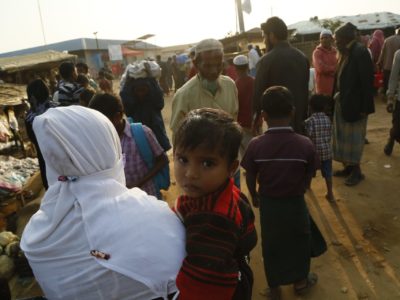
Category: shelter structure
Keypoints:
(23, 68)
(92, 51)
(304, 35)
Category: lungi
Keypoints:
(348, 138)
(289, 239)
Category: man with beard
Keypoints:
(208, 88)
(282, 65)
(354, 101)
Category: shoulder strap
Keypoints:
(142, 143)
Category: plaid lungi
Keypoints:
(348, 138)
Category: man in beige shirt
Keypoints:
(208, 88)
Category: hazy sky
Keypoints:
(171, 21)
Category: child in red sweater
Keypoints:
(218, 218)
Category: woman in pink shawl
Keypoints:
(376, 44)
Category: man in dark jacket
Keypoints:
(285, 66)
(354, 101)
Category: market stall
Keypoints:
(21, 188)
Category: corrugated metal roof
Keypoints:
(70, 45)
(23, 62)
(363, 22)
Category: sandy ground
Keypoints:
(362, 228)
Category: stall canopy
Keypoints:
(12, 94)
(130, 52)
(47, 58)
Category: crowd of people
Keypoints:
(126, 243)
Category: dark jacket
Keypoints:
(286, 66)
(356, 84)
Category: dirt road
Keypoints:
(362, 228)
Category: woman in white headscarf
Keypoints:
(93, 238)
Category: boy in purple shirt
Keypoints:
(283, 162)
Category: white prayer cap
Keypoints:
(240, 60)
(208, 45)
(325, 32)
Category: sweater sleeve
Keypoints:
(248, 236)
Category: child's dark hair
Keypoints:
(107, 104)
(319, 102)
(86, 95)
(66, 69)
(82, 66)
(38, 89)
(209, 128)
(277, 102)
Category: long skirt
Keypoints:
(348, 138)
(289, 239)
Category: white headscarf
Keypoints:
(132, 227)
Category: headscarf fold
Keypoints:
(82, 146)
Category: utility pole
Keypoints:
(41, 22)
(97, 42)
(240, 15)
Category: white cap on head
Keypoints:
(208, 45)
(325, 32)
(240, 60)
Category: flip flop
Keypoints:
(312, 279)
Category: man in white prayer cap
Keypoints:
(325, 62)
(92, 237)
(208, 88)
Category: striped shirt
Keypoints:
(283, 161)
(319, 129)
(68, 93)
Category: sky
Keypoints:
(172, 22)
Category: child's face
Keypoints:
(200, 172)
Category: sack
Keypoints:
(143, 69)
(162, 178)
